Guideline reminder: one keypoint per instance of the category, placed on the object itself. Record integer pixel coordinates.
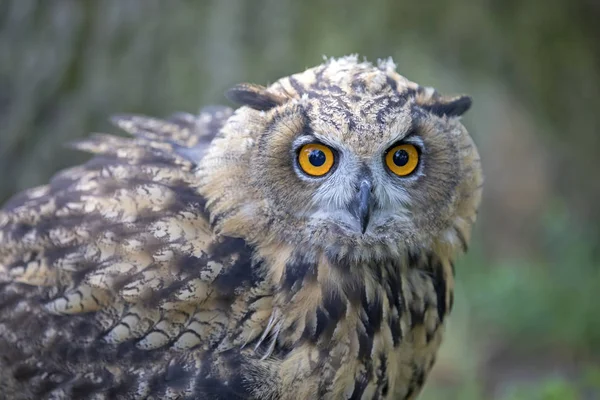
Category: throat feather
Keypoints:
(317, 298)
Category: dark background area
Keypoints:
(526, 323)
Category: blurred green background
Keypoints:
(526, 323)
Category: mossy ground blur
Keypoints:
(526, 323)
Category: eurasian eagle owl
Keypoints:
(299, 247)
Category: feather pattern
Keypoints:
(115, 259)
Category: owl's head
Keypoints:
(347, 157)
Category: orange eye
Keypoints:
(315, 159)
(402, 159)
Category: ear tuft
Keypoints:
(453, 107)
(254, 96)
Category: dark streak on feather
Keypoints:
(243, 271)
(296, 272)
(439, 284)
(360, 384)
(374, 311)
(297, 86)
(335, 307)
(322, 321)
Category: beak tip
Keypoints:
(364, 221)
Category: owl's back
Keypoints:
(111, 271)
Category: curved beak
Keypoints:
(361, 206)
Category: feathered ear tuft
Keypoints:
(254, 96)
(430, 100)
(454, 107)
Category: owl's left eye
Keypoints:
(315, 159)
(403, 159)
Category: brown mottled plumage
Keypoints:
(196, 260)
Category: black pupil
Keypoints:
(317, 158)
(400, 158)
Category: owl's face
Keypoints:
(348, 156)
(360, 181)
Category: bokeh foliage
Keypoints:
(527, 310)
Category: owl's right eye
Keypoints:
(315, 159)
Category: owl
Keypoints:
(298, 247)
